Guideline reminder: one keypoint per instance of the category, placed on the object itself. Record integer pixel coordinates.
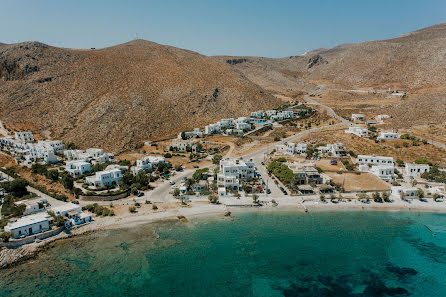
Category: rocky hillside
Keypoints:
(412, 61)
(119, 96)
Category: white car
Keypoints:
(171, 182)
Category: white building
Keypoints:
(24, 136)
(243, 126)
(103, 178)
(358, 117)
(384, 172)
(211, 129)
(75, 155)
(33, 205)
(147, 163)
(277, 117)
(288, 114)
(73, 213)
(403, 193)
(270, 113)
(382, 117)
(374, 160)
(195, 133)
(358, 131)
(64, 209)
(56, 145)
(29, 225)
(257, 114)
(413, 169)
(232, 172)
(388, 135)
(184, 145)
(77, 168)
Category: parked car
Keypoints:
(171, 183)
(196, 166)
(263, 163)
(140, 194)
(75, 202)
(268, 191)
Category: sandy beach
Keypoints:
(145, 215)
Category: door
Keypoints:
(30, 231)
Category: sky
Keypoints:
(277, 28)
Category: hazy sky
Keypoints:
(227, 27)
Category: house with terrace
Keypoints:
(231, 173)
(257, 114)
(358, 117)
(104, 178)
(358, 131)
(77, 168)
(25, 136)
(29, 225)
(389, 135)
(414, 170)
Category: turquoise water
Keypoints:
(254, 254)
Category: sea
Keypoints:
(253, 253)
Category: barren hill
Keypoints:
(119, 96)
(411, 61)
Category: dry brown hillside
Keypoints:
(412, 61)
(119, 96)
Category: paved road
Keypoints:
(51, 200)
(330, 111)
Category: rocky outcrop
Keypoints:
(315, 61)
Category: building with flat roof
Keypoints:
(29, 225)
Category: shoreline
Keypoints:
(14, 257)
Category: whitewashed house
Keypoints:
(257, 114)
(232, 172)
(25, 137)
(403, 193)
(358, 131)
(384, 172)
(288, 114)
(382, 117)
(358, 117)
(277, 117)
(33, 205)
(374, 160)
(388, 135)
(243, 126)
(147, 163)
(75, 155)
(73, 213)
(29, 225)
(270, 113)
(413, 169)
(211, 129)
(77, 168)
(104, 178)
(183, 145)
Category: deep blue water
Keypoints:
(254, 254)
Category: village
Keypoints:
(268, 159)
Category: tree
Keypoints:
(176, 193)
(183, 135)
(132, 209)
(17, 187)
(386, 197)
(419, 193)
(5, 236)
(322, 198)
(178, 167)
(189, 183)
(67, 181)
(216, 159)
(154, 207)
(255, 199)
(77, 192)
(213, 199)
(377, 197)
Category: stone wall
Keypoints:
(14, 243)
(103, 198)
